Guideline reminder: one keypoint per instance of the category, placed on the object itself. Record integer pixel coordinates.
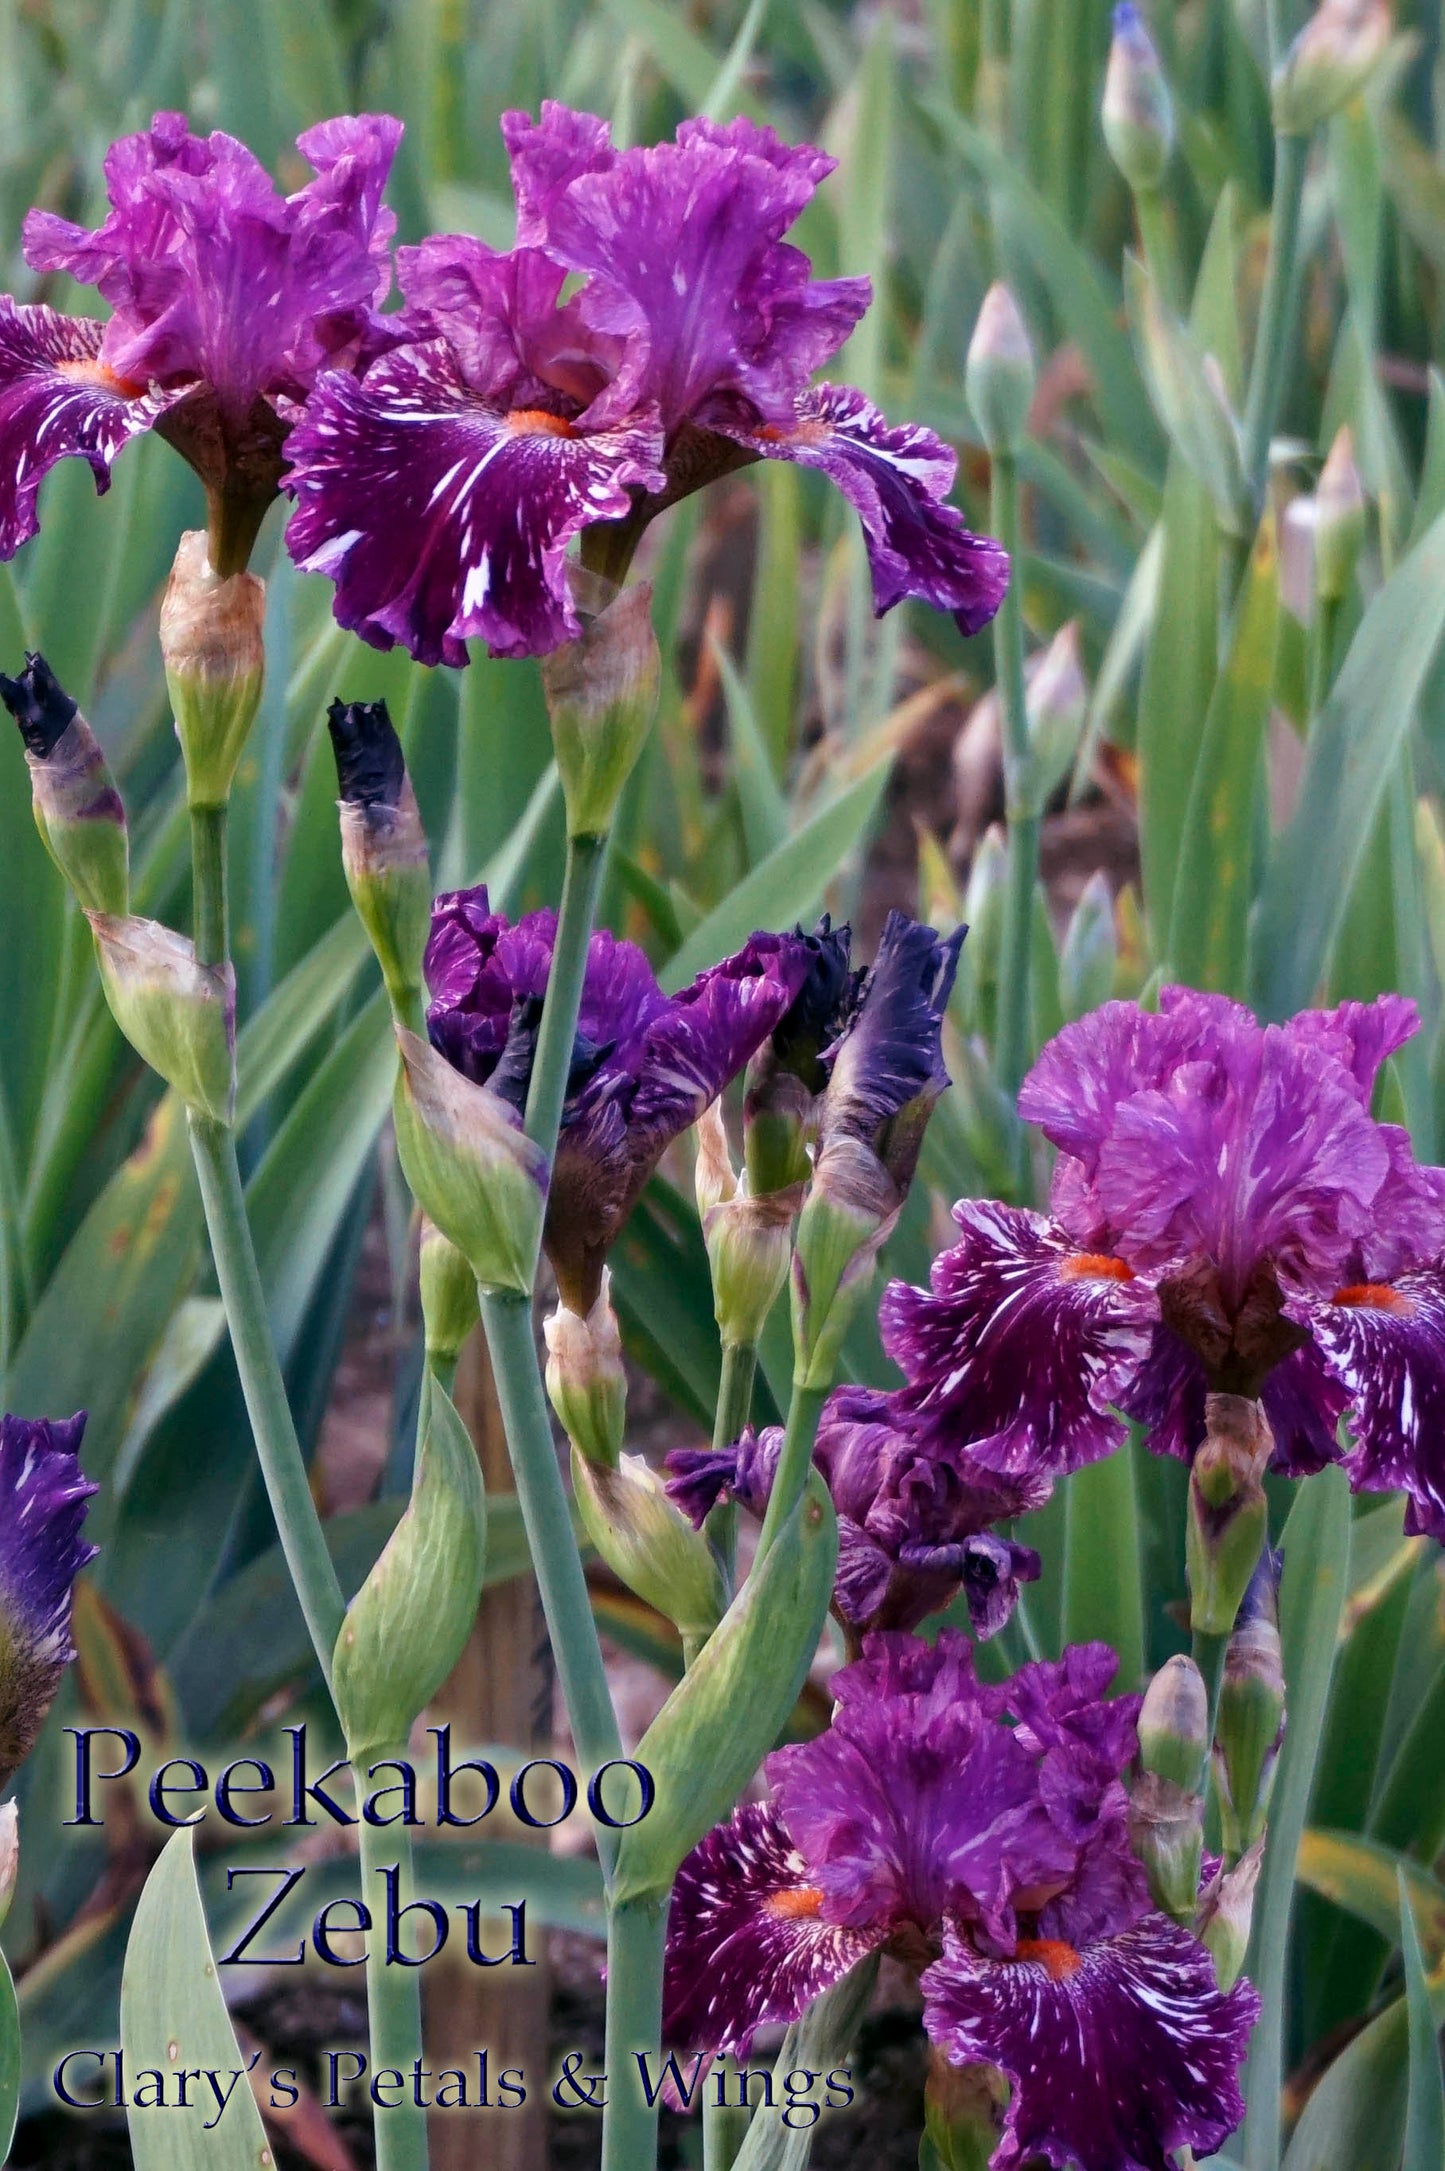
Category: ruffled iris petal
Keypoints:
(1385, 1345)
(1117, 2054)
(442, 518)
(746, 1946)
(57, 399)
(1020, 1345)
(897, 480)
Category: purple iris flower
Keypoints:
(227, 301)
(1226, 1216)
(42, 1510)
(979, 1835)
(645, 1065)
(440, 494)
(912, 1523)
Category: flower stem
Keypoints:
(208, 865)
(1011, 1045)
(734, 1408)
(1274, 336)
(804, 1411)
(507, 1319)
(586, 857)
(393, 1996)
(636, 1947)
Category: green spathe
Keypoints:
(215, 659)
(178, 1014)
(470, 1165)
(406, 1626)
(648, 1543)
(601, 697)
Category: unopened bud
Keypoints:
(1089, 957)
(1228, 1514)
(9, 1855)
(963, 2113)
(999, 377)
(215, 659)
(848, 1216)
(449, 1306)
(749, 1244)
(383, 846)
(1057, 702)
(470, 1165)
(714, 1176)
(649, 1544)
(1227, 1913)
(1138, 113)
(178, 1015)
(1249, 1728)
(1174, 1724)
(1332, 59)
(1191, 399)
(786, 1077)
(1339, 520)
(406, 1626)
(585, 1377)
(1166, 1832)
(601, 697)
(77, 808)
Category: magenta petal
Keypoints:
(440, 517)
(1360, 1037)
(1385, 1345)
(1117, 2055)
(897, 480)
(1020, 1346)
(746, 1947)
(56, 398)
(547, 156)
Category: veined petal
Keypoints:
(43, 1498)
(442, 518)
(1385, 1344)
(57, 398)
(897, 481)
(1020, 1345)
(746, 1944)
(1117, 2054)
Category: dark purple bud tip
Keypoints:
(370, 765)
(39, 704)
(812, 1021)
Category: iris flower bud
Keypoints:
(1138, 112)
(999, 375)
(649, 1544)
(178, 1015)
(470, 1165)
(1332, 59)
(78, 810)
(749, 1240)
(1249, 1728)
(601, 697)
(789, 1073)
(405, 1628)
(1339, 520)
(211, 641)
(1228, 1513)
(585, 1377)
(1090, 953)
(1174, 1724)
(449, 1306)
(1227, 1913)
(1057, 702)
(1166, 1805)
(383, 846)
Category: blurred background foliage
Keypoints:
(1251, 802)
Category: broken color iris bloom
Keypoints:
(440, 495)
(645, 1065)
(227, 301)
(1226, 1216)
(913, 1524)
(43, 1499)
(979, 1835)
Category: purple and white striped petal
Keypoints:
(43, 1496)
(897, 480)
(57, 399)
(1117, 2054)
(1021, 1344)
(746, 1944)
(444, 518)
(1384, 1342)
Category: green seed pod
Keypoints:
(178, 1015)
(405, 1628)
